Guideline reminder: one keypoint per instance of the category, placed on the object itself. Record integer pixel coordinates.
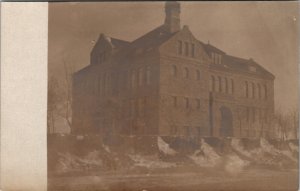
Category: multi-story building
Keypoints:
(168, 83)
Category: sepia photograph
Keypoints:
(173, 96)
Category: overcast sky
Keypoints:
(264, 31)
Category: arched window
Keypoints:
(258, 91)
(253, 90)
(266, 92)
(198, 75)
(246, 89)
(232, 86)
(220, 83)
(226, 85)
(186, 73)
(174, 70)
(212, 83)
(148, 75)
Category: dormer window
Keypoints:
(180, 47)
(217, 58)
(252, 69)
(138, 51)
(193, 50)
(186, 48)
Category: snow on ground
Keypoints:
(265, 154)
(236, 145)
(293, 147)
(165, 147)
(66, 163)
(106, 148)
(205, 156)
(92, 159)
(69, 162)
(234, 164)
(150, 161)
(267, 147)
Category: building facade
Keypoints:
(168, 83)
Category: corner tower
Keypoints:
(172, 20)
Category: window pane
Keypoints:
(174, 101)
(193, 50)
(180, 47)
(141, 76)
(148, 74)
(198, 75)
(186, 48)
(174, 70)
(198, 103)
(186, 73)
(186, 102)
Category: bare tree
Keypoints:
(53, 102)
(67, 95)
(295, 121)
(288, 124)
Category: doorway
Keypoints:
(226, 129)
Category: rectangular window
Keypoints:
(174, 101)
(198, 103)
(141, 76)
(179, 47)
(213, 57)
(148, 75)
(173, 130)
(132, 108)
(198, 130)
(99, 85)
(247, 114)
(253, 115)
(187, 131)
(136, 108)
(133, 79)
(141, 107)
(193, 50)
(232, 86)
(186, 48)
(104, 84)
(186, 102)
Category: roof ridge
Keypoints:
(119, 39)
(147, 34)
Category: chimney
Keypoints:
(172, 20)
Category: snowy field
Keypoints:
(237, 165)
(248, 180)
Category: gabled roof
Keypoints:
(159, 35)
(210, 48)
(151, 39)
(236, 63)
(244, 65)
(118, 43)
